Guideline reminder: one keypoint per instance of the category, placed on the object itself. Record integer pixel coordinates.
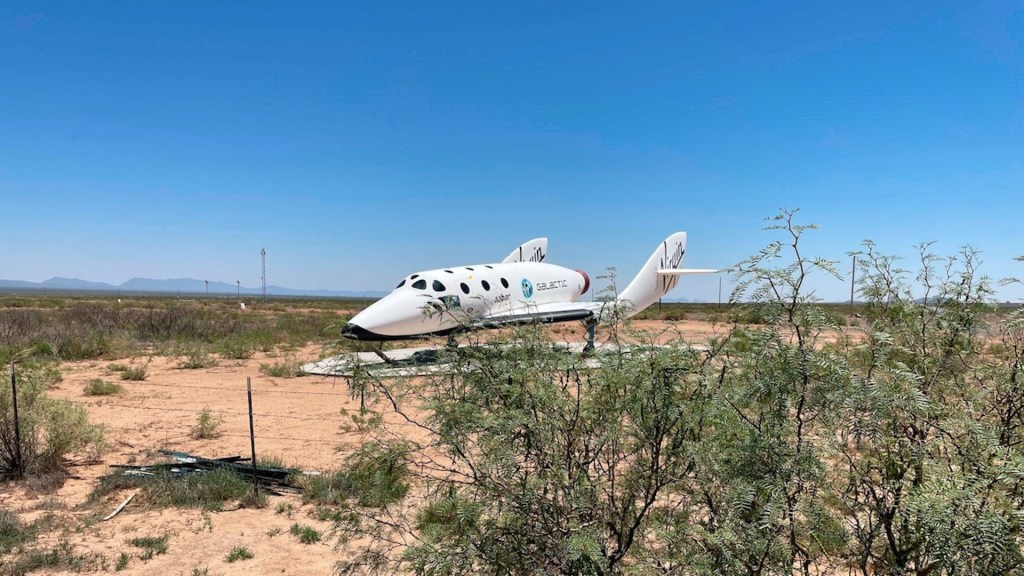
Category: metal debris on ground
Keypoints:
(119, 507)
(269, 477)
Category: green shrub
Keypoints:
(305, 534)
(101, 387)
(207, 425)
(285, 508)
(195, 357)
(376, 476)
(325, 514)
(152, 545)
(237, 347)
(14, 534)
(238, 553)
(287, 368)
(50, 428)
(135, 372)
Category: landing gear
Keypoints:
(591, 329)
(379, 351)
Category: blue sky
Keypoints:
(358, 142)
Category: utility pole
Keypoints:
(207, 288)
(263, 255)
(238, 285)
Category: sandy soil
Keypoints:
(298, 420)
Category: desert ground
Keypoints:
(299, 420)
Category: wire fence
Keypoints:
(149, 406)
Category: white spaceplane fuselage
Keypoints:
(522, 288)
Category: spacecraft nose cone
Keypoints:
(353, 331)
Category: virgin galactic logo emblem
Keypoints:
(527, 289)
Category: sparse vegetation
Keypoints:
(101, 387)
(207, 425)
(135, 372)
(328, 514)
(255, 499)
(151, 545)
(61, 556)
(195, 356)
(237, 347)
(77, 328)
(207, 491)
(116, 368)
(239, 553)
(305, 534)
(289, 367)
(13, 533)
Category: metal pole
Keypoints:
(17, 425)
(252, 437)
(853, 276)
(719, 292)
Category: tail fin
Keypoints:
(659, 275)
(535, 250)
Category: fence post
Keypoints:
(17, 425)
(252, 438)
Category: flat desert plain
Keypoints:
(300, 421)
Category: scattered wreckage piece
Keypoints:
(273, 478)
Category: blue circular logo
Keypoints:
(527, 289)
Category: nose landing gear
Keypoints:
(591, 329)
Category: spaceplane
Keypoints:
(522, 288)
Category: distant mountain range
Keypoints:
(194, 287)
(176, 286)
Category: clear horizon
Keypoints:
(359, 143)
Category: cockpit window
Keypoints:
(488, 266)
(449, 271)
(485, 284)
(438, 287)
(465, 289)
(504, 283)
(419, 284)
(400, 284)
(414, 276)
(468, 268)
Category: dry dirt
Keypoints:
(298, 420)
